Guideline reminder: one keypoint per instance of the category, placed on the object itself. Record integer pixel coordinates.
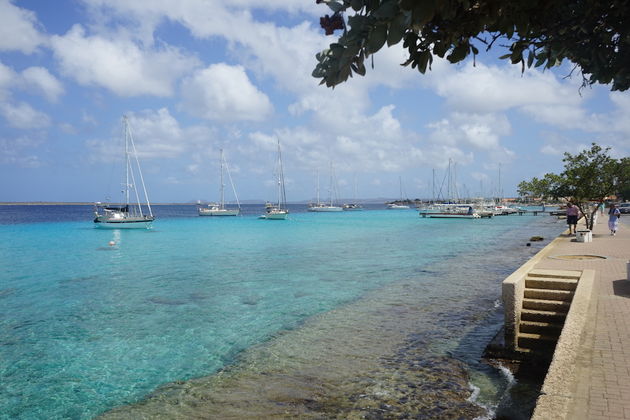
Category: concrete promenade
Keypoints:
(598, 385)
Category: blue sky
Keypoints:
(195, 76)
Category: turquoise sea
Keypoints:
(334, 315)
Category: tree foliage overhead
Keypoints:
(588, 177)
(594, 35)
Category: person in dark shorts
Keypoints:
(572, 217)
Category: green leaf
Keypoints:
(458, 54)
(356, 5)
(397, 29)
(423, 12)
(358, 67)
(423, 61)
(540, 60)
(377, 38)
(335, 6)
(387, 10)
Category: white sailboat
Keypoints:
(398, 205)
(450, 211)
(127, 214)
(453, 208)
(354, 206)
(219, 209)
(278, 211)
(330, 205)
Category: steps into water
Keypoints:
(547, 300)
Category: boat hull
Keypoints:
(325, 209)
(127, 223)
(224, 212)
(276, 215)
(450, 216)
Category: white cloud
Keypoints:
(18, 30)
(223, 92)
(67, 128)
(7, 79)
(619, 117)
(481, 131)
(479, 176)
(23, 116)
(41, 81)
(486, 89)
(34, 79)
(12, 152)
(285, 53)
(119, 65)
(551, 150)
(156, 134)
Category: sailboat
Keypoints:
(218, 209)
(127, 214)
(330, 206)
(278, 211)
(397, 205)
(453, 208)
(354, 206)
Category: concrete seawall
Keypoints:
(589, 376)
(512, 290)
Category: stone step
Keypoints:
(546, 305)
(544, 354)
(561, 274)
(549, 294)
(543, 316)
(552, 329)
(549, 283)
(536, 341)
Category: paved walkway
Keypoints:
(603, 365)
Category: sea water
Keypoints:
(371, 313)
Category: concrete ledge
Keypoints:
(513, 290)
(556, 399)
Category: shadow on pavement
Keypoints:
(621, 288)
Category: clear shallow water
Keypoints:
(85, 327)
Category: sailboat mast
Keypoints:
(318, 186)
(282, 198)
(127, 163)
(433, 185)
(222, 186)
(449, 192)
(144, 188)
(500, 192)
(330, 187)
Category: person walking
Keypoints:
(572, 217)
(613, 219)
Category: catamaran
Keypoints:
(278, 211)
(127, 214)
(219, 209)
(329, 206)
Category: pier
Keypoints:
(541, 212)
(589, 375)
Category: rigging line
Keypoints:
(146, 195)
(227, 168)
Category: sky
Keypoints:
(197, 76)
